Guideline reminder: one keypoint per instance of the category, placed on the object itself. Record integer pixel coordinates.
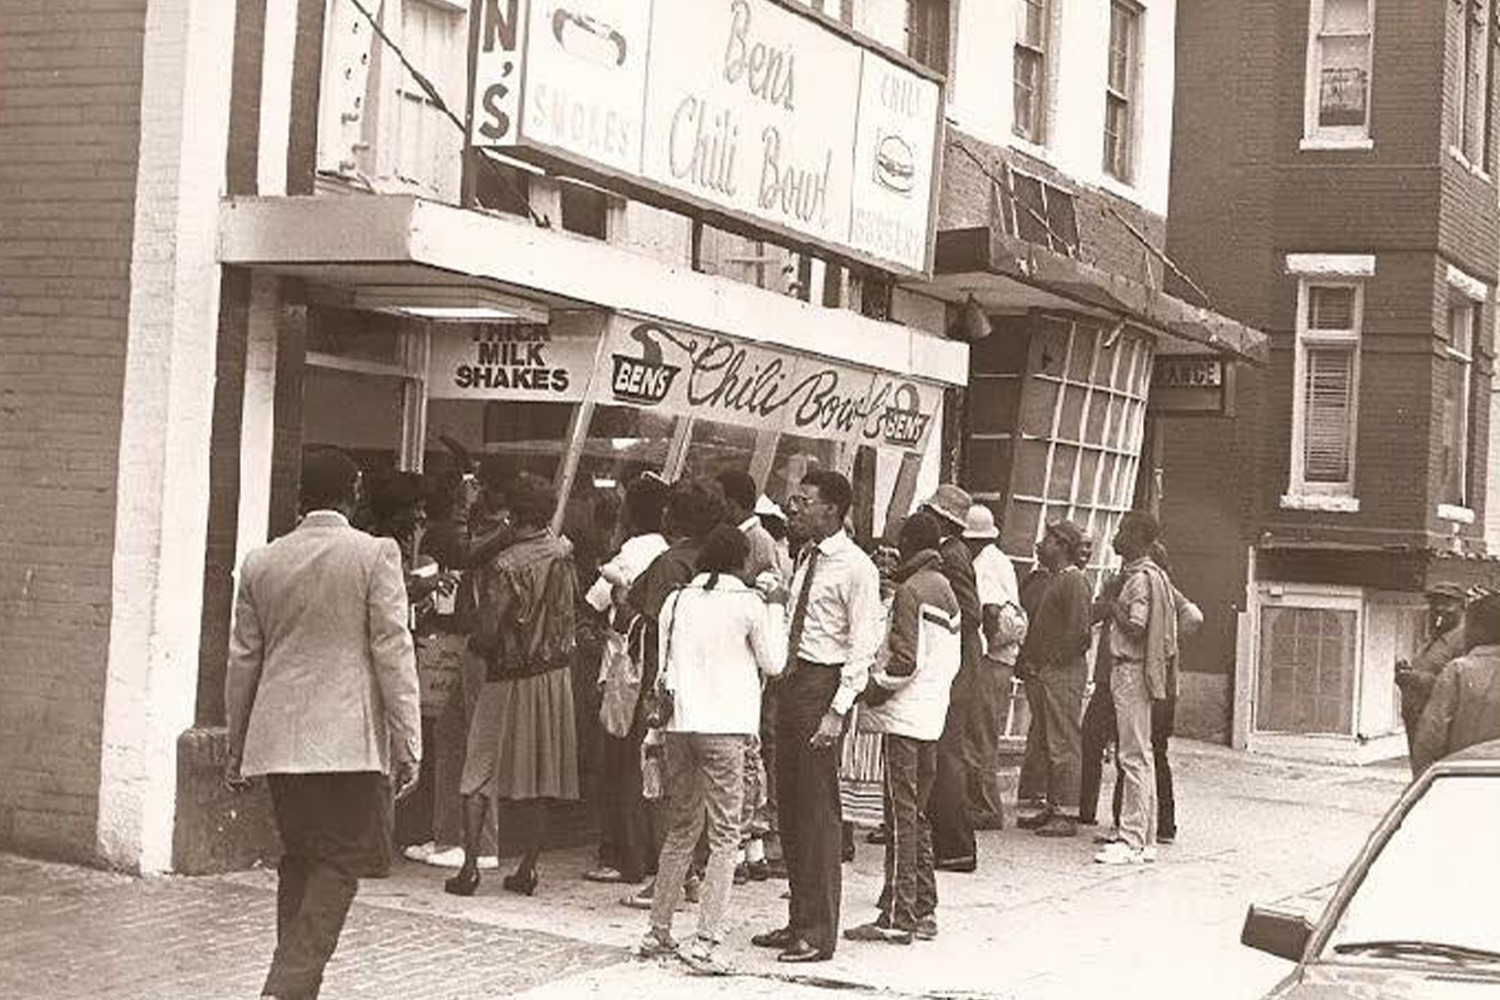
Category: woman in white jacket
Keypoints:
(718, 636)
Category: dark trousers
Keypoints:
(627, 838)
(1057, 692)
(910, 892)
(1033, 781)
(1099, 732)
(991, 684)
(948, 808)
(335, 829)
(807, 789)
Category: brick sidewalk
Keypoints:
(75, 934)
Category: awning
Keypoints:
(1005, 273)
(370, 244)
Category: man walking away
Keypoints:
(1054, 657)
(1002, 627)
(952, 825)
(1143, 644)
(321, 698)
(835, 630)
(907, 701)
(1465, 705)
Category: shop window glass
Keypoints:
(1306, 671)
(534, 434)
(585, 210)
(359, 336)
(796, 456)
(356, 412)
(714, 447)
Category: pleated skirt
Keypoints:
(523, 740)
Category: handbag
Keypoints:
(620, 677)
(658, 703)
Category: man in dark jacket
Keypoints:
(1445, 630)
(952, 825)
(1464, 708)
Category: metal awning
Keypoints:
(373, 244)
(1009, 274)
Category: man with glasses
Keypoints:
(836, 627)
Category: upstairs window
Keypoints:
(1464, 317)
(1325, 406)
(1040, 213)
(927, 33)
(1337, 106)
(1471, 104)
(1029, 73)
(585, 209)
(1119, 95)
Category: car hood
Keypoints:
(1343, 982)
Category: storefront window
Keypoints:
(1307, 671)
(622, 443)
(795, 457)
(714, 447)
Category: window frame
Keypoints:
(1332, 598)
(920, 14)
(1041, 94)
(1010, 211)
(1472, 121)
(1314, 134)
(1123, 168)
(1460, 299)
(1307, 339)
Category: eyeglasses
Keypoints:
(798, 501)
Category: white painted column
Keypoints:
(162, 491)
(258, 415)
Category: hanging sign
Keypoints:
(1186, 384)
(652, 364)
(749, 108)
(517, 361)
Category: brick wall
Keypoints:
(70, 91)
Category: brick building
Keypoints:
(1333, 184)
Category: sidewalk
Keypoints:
(1037, 922)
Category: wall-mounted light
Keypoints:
(971, 323)
(449, 303)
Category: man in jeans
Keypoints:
(1142, 627)
(907, 701)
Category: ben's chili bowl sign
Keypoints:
(719, 378)
(742, 106)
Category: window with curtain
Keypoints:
(1463, 319)
(1119, 94)
(1327, 387)
(1307, 671)
(1338, 69)
(1029, 73)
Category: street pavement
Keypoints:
(1038, 921)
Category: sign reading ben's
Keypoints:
(714, 377)
(756, 109)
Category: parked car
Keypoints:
(1418, 912)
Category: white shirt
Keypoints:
(845, 622)
(995, 579)
(634, 556)
(714, 646)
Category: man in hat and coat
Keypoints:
(1445, 641)
(1002, 626)
(952, 825)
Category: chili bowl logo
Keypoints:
(904, 420)
(645, 380)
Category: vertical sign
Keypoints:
(496, 96)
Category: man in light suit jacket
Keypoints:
(322, 699)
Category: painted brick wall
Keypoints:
(70, 91)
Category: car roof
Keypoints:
(1480, 753)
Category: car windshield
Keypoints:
(1433, 892)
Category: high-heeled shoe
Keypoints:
(464, 883)
(521, 883)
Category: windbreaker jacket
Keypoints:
(910, 682)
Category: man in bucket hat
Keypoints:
(952, 826)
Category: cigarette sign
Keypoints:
(743, 107)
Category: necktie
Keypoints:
(799, 613)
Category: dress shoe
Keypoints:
(741, 873)
(464, 883)
(926, 929)
(800, 951)
(879, 931)
(758, 871)
(776, 868)
(781, 937)
(1059, 826)
(964, 865)
(1035, 821)
(521, 883)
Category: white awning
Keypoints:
(380, 241)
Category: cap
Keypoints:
(981, 523)
(1070, 534)
(951, 503)
(1452, 591)
(766, 507)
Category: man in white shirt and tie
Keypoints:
(836, 627)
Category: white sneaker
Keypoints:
(1119, 854)
(1148, 853)
(419, 852)
(453, 857)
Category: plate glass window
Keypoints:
(1327, 386)
(1338, 77)
(1119, 95)
(1307, 668)
(1029, 74)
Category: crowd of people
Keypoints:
(761, 678)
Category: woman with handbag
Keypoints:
(718, 635)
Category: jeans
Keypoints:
(705, 781)
(1137, 765)
(1062, 695)
(910, 891)
(809, 809)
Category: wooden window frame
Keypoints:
(1123, 94)
(1314, 134)
(1308, 338)
(1040, 50)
